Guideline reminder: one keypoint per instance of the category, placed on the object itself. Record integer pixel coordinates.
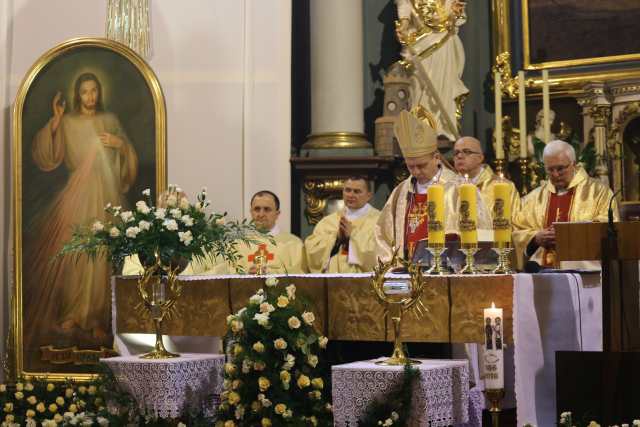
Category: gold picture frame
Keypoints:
(89, 126)
(564, 81)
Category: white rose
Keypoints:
(291, 291)
(262, 318)
(176, 213)
(265, 307)
(256, 299)
(97, 226)
(141, 206)
(170, 224)
(308, 317)
(241, 311)
(146, 192)
(160, 213)
(246, 366)
(104, 422)
(126, 216)
(323, 341)
(144, 225)
(289, 361)
(114, 232)
(132, 232)
(172, 200)
(185, 237)
(312, 360)
(187, 220)
(293, 322)
(184, 203)
(239, 412)
(271, 281)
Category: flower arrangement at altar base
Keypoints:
(566, 420)
(275, 374)
(174, 230)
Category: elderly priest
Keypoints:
(344, 241)
(569, 195)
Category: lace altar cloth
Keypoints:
(166, 388)
(440, 398)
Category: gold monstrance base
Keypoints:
(159, 352)
(397, 357)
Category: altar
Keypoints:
(543, 313)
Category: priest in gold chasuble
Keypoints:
(568, 195)
(404, 218)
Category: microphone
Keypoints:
(611, 230)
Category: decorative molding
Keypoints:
(316, 194)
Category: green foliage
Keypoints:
(180, 230)
(394, 408)
(585, 155)
(275, 374)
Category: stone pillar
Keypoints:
(337, 112)
(596, 109)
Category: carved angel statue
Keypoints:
(433, 52)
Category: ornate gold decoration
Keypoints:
(159, 288)
(316, 194)
(469, 252)
(128, 23)
(15, 350)
(331, 140)
(499, 165)
(524, 175)
(434, 18)
(504, 258)
(508, 84)
(398, 301)
(420, 112)
(74, 355)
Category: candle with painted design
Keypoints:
(546, 108)
(502, 213)
(522, 114)
(498, 125)
(468, 214)
(435, 200)
(493, 354)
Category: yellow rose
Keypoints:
(282, 301)
(233, 398)
(92, 390)
(294, 322)
(57, 418)
(308, 317)
(303, 381)
(237, 349)
(317, 383)
(255, 406)
(264, 383)
(19, 395)
(50, 387)
(313, 420)
(8, 407)
(9, 418)
(53, 408)
(229, 368)
(236, 325)
(3, 388)
(32, 400)
(280, 344)
(81, 403)
(30, 413)
(316, 394)
(60, 400)
(285, 376)
(266, 422)
(229, 423)
(258, 347)
(323, 341)
(68, 393)
(41, 408)
(236, 384)
(19, 386)
(82, 389)
(28, 387)
(73, 408)
(280, 408)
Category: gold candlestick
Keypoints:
(504, 258)
(469, 251)
(524, 175)
(499, 165)
(437, 268)
(495, 396)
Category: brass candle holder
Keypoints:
(524, 174)
(469, 250)
(436, 268)
(504, 250)
(495, 397)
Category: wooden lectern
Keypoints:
(603, 385)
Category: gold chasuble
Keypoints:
(587, 200)
(356, 256)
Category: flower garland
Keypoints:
(274, 375)
(566, 420)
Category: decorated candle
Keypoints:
(435, 201)
(502, 213)
(546, 108)
(498, 126)
(493, 355)
(522, 114)
(468, 213)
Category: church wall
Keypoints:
(225, 71)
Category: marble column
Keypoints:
(337, 112)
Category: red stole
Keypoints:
(416, 221)
(557, 211)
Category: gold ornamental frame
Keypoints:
(561, 82)
(93, 47)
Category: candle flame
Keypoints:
(493, 305)
(466, 177)
(501, 175)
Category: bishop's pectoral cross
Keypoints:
(417, 216)
(260, 259)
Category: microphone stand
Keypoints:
(611, 275)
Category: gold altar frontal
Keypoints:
(345, 307)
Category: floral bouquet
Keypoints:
(274, 375)
(174, 230)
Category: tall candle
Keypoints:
(522, 114)
(502, 212)
(498, 126)
(468, 215)
(545, 106)
(493, 360)
(435, 201)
